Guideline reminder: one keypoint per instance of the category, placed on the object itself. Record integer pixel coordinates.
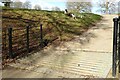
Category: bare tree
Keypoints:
(55, 8)
(17, 4)
(27, 5)
(118, 7)
(79, 6)
(107, 6)
(37, 7)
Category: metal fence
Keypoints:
(19, 41)
(116, 46)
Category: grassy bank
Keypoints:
(62, 24)
(56, 25)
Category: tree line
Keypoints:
(18, 4)
(108, 6)
(104, 6)
(25, 5)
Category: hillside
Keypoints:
(56, 25)
(63, 23)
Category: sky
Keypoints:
(48, 4)
(51, 3)
(60, 3)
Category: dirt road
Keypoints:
(88, 55)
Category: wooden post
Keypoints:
(27, 30)
(41, 36)
(10, 42)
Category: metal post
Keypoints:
(115, 46)
(27, 29)
(41, 36)
(5, 39)
(10, 42)
(119, 44)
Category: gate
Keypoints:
(116, 46)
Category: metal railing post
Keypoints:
(115, 20)
(119, 44)
(41, 36)
(10, 42)
(27, 31)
